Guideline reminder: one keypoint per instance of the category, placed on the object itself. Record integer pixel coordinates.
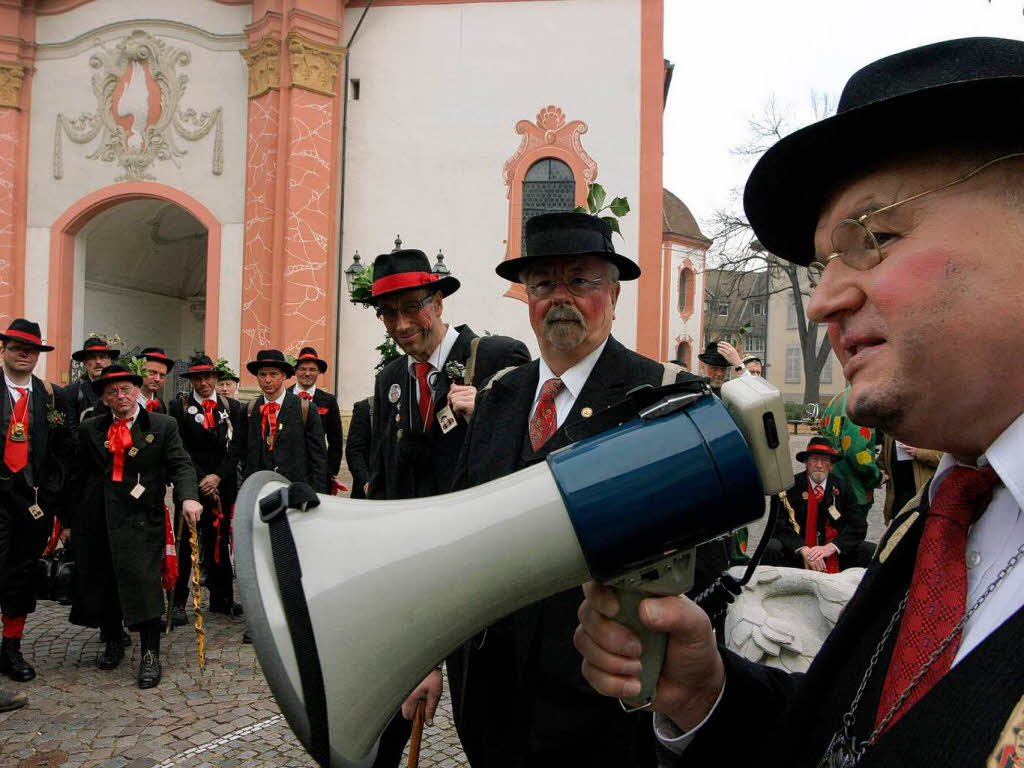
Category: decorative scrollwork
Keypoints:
(138, 89)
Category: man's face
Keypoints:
(94, 363)
(19, 358)
(156, 375)
(306, 373)
(417, 330)
(270, 380)
(818, 468)
(120, 397)
(754, 367)
(716, 373)
(204, 384)
(565, 323)
(947, 301)
(227, 388)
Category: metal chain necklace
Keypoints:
(844, 750)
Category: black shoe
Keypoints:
(10, 701)
(12, 663)
(113, 654)
(178, 617)
(226, 607)
(126, 639)
(246, 637)
(149, 670)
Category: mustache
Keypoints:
(563, 313)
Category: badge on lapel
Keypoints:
(133, 451)
(394, 394)
(1009, 750)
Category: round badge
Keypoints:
(398, 417)
(395, 393)
(199, 418)
(587, 412)
(193, 410)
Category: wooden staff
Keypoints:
(417, 734)
(197, 595)
(170, 592)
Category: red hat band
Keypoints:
(308, 356)
(402, 280)
(24, 336)
(198, 368)
(96, 349)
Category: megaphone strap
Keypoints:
(274, 512)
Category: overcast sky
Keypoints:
(731, 56)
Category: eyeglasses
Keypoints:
(409, 309)
(859, 248)
(577, 286)
(125, 390)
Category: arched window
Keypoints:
(683, 352)
(547, 187)
(686, 290)
(682, 290)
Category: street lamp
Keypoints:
(398, 243)
(440, 268)
(353, 271)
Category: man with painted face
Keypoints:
(158, 367)
(415, 447)
(519, 699)
(308, 368)
(95, 355)
(908, 206)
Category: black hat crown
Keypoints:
(406, 270)
(199, 365)
(270, 358)
(94, 345)
(819, 446)
(157, 354)
(711, 356)
(309, 353)
(112, 373)
(26, 332)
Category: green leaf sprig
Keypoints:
(362, 287)
(618, 207)
(137, 365)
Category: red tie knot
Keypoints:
(961, 497)
(22, 391)
(209, 405)
(550, 390)
(421, 369)
(819, 494)
(269, 408)
(305, 395)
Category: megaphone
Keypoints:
(388, 588)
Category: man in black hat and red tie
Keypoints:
(206, 423)
(309, 367)
(280, 431)
(158, 367)
(822, 527)
(422, 404)
(120, 524)
(907, 207)
(95, 355)
(35, 453)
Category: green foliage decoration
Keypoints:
(595, 206)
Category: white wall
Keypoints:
(442, 88)
(142, 319)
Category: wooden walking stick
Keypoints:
(170, 592)
(417, 734)
(197, 596)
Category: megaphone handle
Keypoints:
(652, 655)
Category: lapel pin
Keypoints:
(193, 410)
(133, 451)
(149, 438)
(587, 412)
(394, 393)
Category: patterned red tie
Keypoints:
(209, 420)
(119, 440)
(545, 419)
(16, 451)
(268, 415)
(305, 395)
(938, 588)
(426, 396)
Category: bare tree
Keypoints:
(735, 247)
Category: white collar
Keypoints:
(440, 354)
(12, 385)
(132, 418)
(212, 397)
(279, 399)
(298, 388)
(575, 377)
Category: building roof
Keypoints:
(677, 219)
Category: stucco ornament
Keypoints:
(12, 77)
(138, 93)
(314, 65)
(264, 61)
(550, 130)
(783, 615)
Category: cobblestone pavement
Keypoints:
(81, 716)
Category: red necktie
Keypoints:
(209, 420)
(426, 396)
(304, 395)
(268, 413)
(119, 440)
(16, 451)
(152, 404)
(938, 588)
(545, 419)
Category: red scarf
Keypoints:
(268, 414)
(119, 440)
(811, 529)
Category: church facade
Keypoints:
(200, 174)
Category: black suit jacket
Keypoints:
(851, 526)
(210, 450)
(408, 461)
(80, 397)
(330, 415)
(358, 447)
(299, 452)
(957, 723)
(50, 445)
(519, 698)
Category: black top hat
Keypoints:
(115, 372)
(953, 92)
(308, 353)
(199, 365)
(567, 235)
(26, 332)
(407, 270)
(819, 446)
(711, 356)
(270, 358)
(156, 354)
(94, 345)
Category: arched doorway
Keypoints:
(138, 260)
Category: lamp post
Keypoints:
(353, 271)
(440, 268)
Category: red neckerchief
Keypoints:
(119, 440)
(268, 414)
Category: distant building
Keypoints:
(684, 251)
(735, 310)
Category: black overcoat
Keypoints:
(358, 447)
(519, 696)
(851, 525)
(409, 462)
(109, 524)
(957, 723)
(330, 414)
(299, 451)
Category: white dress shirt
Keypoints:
(437, 357)
(298, 388)
(13, 388)
(997, 535)
(572, 383)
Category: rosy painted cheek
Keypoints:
(914, 278)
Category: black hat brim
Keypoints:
(40, 347)
(254, 366)
(801, 456)
(790, 185)
(628, 270)
(99, 384)
(192, 374)
(229, 377)
(446, 285)
(80, 355)
(716, 360)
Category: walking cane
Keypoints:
(417, 734)
(170, 592)
(197, 595)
